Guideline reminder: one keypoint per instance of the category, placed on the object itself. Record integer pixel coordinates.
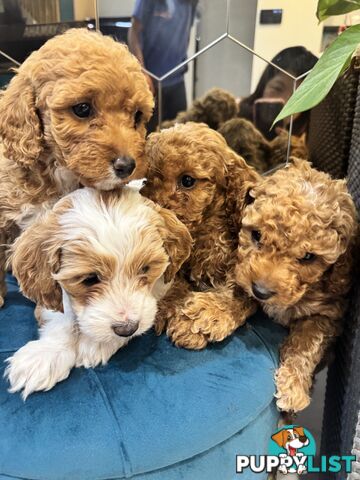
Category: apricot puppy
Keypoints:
(74, 114)
(195, 174)
(294, 257)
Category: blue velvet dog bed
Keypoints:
(154, 412)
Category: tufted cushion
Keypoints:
(154, 412)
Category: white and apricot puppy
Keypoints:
(96, 265)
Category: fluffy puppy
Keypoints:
(279, 147)
(196, 175)
(74, 114)
(213, 108)
(96, 264)
(246, 140)
(294, 257)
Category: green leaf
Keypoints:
(326, 8)
(330, 66)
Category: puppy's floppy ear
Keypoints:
(342, 209)
(240, 179)
(177, 241)
(280, 438)
(35, 258)
(20, 126)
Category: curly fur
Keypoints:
(213, 108)
(202, 306)
(246, 140)
(296, 211)
(218, 109)
(45, 150)
(279, 146)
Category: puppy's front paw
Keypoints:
(210, 316)
(292, 394)
(181, 332)
(2, 301)
(37, 367)
(90, 353)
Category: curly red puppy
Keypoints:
(294, 257)
(196, 175)
(74, 114)
(213, 108)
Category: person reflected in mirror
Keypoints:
(274, 90)
(159, 38)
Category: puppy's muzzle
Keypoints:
(124, 166)
(261, 292)
(125, 329)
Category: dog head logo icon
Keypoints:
(292, 444)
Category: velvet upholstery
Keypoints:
(154, 412)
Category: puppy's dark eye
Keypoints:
(255, 236)
(138, 117)
(307, 258)
(187, 181)
(144, 269)
(91, 279)
(82, 110)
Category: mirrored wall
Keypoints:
(229, 63)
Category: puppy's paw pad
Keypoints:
(35, 367)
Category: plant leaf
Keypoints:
(326, 8)
(318, 83)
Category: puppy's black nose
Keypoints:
(125, 329)
(303, 439)
(124, 166)
(261, 292)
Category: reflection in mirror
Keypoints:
(25, 25)
(159, 36)
(193, 56)
(245, 120)
(219, 73)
